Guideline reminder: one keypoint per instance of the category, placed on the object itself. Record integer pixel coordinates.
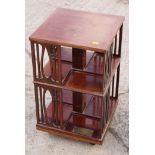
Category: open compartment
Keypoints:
(52, 63)
(90, 80)
(56, 110)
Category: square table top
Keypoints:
(79, 29)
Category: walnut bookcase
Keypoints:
(76, 61)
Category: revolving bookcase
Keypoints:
(76, 64)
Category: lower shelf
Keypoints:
(83, 126)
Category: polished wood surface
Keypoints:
(88, 82)
(66, 54)
(66, 59)
(80, 81)
(81, 113)
(79, 29)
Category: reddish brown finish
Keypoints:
(54, 55)
(79, 29)
(66, 57)
(88, 82)
(85, 82)
(78, 62)
(66, 54)
(79, 58)
(82, 84)
(66, 67)
(79, 101)
(89, 124)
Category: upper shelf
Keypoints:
(90, 80)
(66, 61)
(79, 29)
(87, 82)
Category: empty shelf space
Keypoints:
(66, 62)
(95, 65)
(67, 106)
(88, 82)
(84, 82)
(94, 107)
(88, 123)
(82, 121)
(67, 109)
(66, 67)
(78, 125)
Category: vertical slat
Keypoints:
(107, 68)
(106, 107)
(115, 48)
(110, 57)
(42, 59)
(56, 63)
(113, 86)
(105, 79)
(38, 61)
(37, 103)
(104, 111)
(61, 108)
(97, 104)
(94, 111)
(108, 99)
(109, 64)
(99, 62)
(110, 104)
(53, 109)
(33, 60)
(120, 40)
(94, 107)
(59, 70)
(41, 104)
(56, 102)
(95, 63)
(104, 71)
(51, 61)
(117, 81)
(102, 116)
(44, 108)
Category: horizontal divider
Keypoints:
(86, 115)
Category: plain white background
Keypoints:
(141, 80)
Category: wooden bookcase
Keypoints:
(76, 61)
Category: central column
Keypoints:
(78, 62)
